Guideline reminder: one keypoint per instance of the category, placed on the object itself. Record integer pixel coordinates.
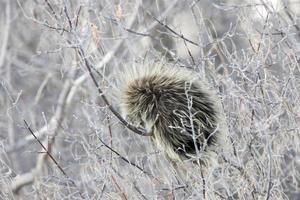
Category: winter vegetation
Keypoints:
(62, 134)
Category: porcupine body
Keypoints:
(175, 106)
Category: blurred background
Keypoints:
(248, 51)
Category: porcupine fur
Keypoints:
(173, 104)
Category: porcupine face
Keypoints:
(181, 115)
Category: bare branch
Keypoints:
(5, 37)
(111, 108)
(28, 178)
(45, 149)
(123, 158)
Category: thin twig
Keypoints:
(288, 13)
(110, 136)
(189, 52)
(77, 17)
(262, 34)
(55, 28)
(45, 149)
(119, 187)
(69, 20)
(174, 32)
(51, 8)
(269, 170)
(123, 158)
(139, 191)
(138, 33)
(203, 181)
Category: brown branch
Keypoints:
(52, 158)
(89, 67)
(45, 149)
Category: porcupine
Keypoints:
(176, 106)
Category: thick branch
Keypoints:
(111, 108)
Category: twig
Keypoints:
(262, 34)
(139, 191)
(123, 158)
(189, 52)
(119, 188)
(288, 13)
(55, 28)
(270, 169)
(69, 20)
(174, 32)
(269, 181)
(161, 16)
(45, 149)
(175, 188)
(41, 88)
(203, 181)
(108, 56)
(138, 33)
(77, 17)
(52, 10)
(240, 169)
(110, 136)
